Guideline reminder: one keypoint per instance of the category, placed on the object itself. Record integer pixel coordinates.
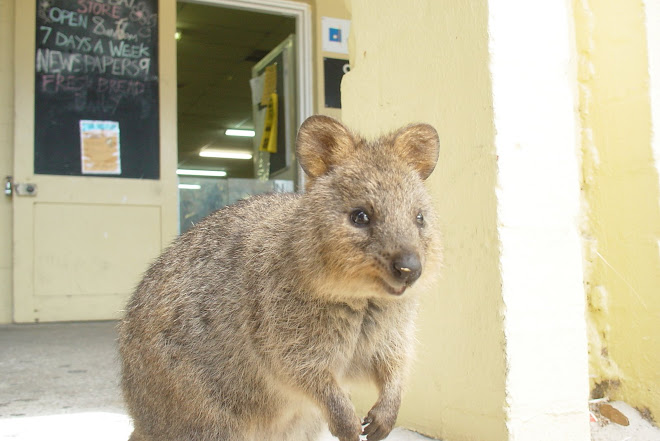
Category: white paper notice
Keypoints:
(99, 147)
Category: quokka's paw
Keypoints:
(378, 424)
(347, 430)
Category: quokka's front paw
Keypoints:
(347, 429)
(379, 423)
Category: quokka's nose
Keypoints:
(406, 267)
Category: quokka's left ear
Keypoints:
(418, 145)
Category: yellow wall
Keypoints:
(620, 185)
(430, 63)
(6, 152)
(325, 8)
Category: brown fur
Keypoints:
(248, 326)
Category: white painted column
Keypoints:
(652, 8)
(534, 96)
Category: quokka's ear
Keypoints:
(418, 145)
(321, 143)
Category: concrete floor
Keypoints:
(60, 382)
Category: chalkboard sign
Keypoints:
(96, 88)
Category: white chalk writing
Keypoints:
(54, 61)
(73, 42)
(106, 29)
(69, 18)
(97, 52)
(129, 50)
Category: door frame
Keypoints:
(302, 13)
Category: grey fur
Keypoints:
(248, 327)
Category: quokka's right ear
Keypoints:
(321, 143)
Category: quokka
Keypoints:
(250, 325)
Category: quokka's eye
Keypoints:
(359, 218)
(420, 219)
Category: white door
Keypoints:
(82, 242)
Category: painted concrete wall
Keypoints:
(6, 152)
(620, 182)
(428, 61)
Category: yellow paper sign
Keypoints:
(269, 137)
(270, 83)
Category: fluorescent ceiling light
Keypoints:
(187, 172)
(190, 186)
(226, 154)
(240, 132)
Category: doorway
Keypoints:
(219, 44)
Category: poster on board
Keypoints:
(96, 88)
(99, 147)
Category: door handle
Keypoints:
(21, 189)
